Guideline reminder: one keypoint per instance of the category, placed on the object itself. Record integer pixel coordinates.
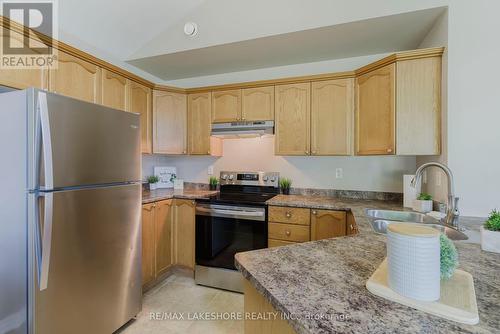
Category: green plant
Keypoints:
(213, 181)
(424, 197)
(285, 183)
(493, 222)
(153, 179)
(449, 257)
(173, 177)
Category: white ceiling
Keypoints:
(371, 36)
(146, 37)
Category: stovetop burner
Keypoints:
(251, 188)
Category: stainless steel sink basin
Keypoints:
(380, 226)
(400, 216)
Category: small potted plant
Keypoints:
(423, 203)
(490, 233)
(285, 185)
(213, 182)
(449, 257)
(153, 180)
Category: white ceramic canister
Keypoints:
(413, 256)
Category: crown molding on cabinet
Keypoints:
(398, 56)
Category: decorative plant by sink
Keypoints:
(285, 185)
(153, 180)
(449, 257)
(423, 203)
(213, 182)
(490, 233)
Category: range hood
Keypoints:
(243, 129)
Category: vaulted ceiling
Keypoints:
(236, 35)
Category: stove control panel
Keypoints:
(268, 179)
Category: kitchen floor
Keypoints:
(179, 296)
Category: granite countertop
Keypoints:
(322, 283)
(149, 196)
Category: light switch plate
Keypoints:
(210, 170)
(339, 173)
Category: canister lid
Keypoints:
(414, 230)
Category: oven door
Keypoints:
(224, 230)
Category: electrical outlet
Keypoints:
(210, 170)
(339, 173)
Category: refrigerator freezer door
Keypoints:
(94, 270)
(83, 143)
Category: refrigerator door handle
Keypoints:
(43, 240)
(46, 140)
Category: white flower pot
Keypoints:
(152, 186)
(422, 206)
(490, 240)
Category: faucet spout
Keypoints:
(452, 213)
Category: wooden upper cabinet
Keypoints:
(113, 90)
(418, 106)
(22, 78)
(199, 123)
(163, 236)
(292, 113)
(76, 78)
(375, 112)
(184, 233)
(148, 243)
(257, 104)
(226, 106)
(169, 123)
(139, 101)
(332, 112)
(327, 224)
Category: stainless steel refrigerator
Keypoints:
(70, 200)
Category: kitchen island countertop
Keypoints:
(322, 283)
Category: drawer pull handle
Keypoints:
(314, 212)
(288, 215)
(288, 233)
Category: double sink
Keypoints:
(381, 219)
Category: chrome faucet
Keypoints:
(452, 213)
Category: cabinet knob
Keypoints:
(287, 232)
(184, 152)
(389, 150)
(288, 215)
(243, 118)
(315, 212)
(352, 227)
(307, 152)
(314, 152)
(208, 151)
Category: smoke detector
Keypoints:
(191, 29)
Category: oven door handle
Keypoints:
(254, 215)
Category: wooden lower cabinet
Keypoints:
(327, 224)
(148, 243)
(288, 225)
(184, 232)
(255, 303)
(163, 236)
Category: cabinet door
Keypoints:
(375, 112)
(292, 107)
(113, 90)
(327, 224)
(257, 104)
(199, 123)
(169, 123)
(418, 107)
(226, 106)
(332, 111)
(76, 78)
(148, 243)
(184, 233)
(163, 236)
(139, 101)
(22, 78)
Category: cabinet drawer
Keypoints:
(281, 214)
(277, 243)
(288, 232)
